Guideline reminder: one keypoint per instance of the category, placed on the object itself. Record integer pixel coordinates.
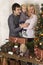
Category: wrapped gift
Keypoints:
(18, 40)
(38, 53)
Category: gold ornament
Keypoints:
(41, 34)
(23, 48)
(36, 39)
(40, 43)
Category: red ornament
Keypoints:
(38, 53)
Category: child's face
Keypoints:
(24, 8)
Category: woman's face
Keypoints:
(30, 11)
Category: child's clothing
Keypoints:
(23, 17)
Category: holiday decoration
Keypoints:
(7, 47)
(16, 48)
(38, 53)
(38, 41)
(23, 49)
(18, 40)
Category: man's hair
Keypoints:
(15, 5)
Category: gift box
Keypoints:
(18, 40)
(38, 53)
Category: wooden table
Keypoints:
(19, 58)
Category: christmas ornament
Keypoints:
(38, 53)
(23, 49)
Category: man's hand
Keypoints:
(24, 25)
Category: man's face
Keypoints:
(17, 11)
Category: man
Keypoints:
(13, 21)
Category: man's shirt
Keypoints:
(13, 23)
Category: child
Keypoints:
(23, 16)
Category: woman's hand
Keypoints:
(24, 25)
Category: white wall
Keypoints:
(28, 1)
(5, 10)
(4, 13)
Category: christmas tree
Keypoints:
(38, 41)
(39, 29)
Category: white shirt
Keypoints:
(30, 33)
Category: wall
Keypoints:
(28, 1)
(5, 10)
(4, 13)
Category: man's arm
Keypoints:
(12, 25)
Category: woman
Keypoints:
(32, 21)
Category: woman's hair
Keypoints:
(23, 5)
(31, 5)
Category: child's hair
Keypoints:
(23, 5)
